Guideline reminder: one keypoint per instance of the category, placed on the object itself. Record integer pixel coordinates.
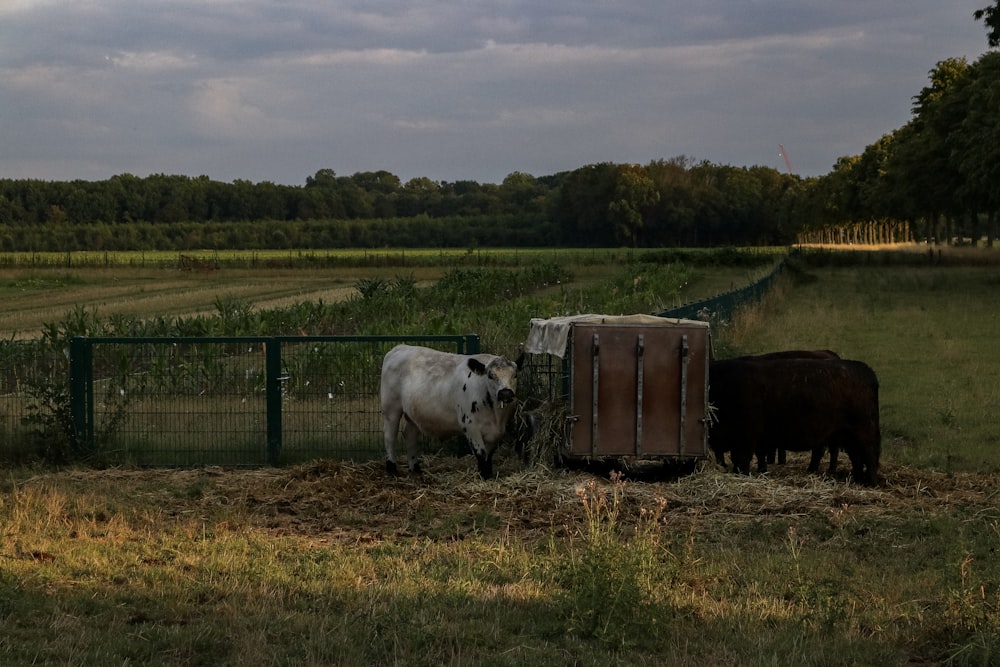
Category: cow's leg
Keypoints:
(817, 456)
(390, 429)
(776, 454)
(720, 453)
(411, 436)
(864, 470)
(762, 453)
(836, 442)
(720, 458)
(484, 456)
(869, 456)
(858, 473)
(485, 464)
(864, 459)
(834, 452)
(741, 457)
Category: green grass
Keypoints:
(338, 564)
(930, 335)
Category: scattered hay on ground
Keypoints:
(348, 502)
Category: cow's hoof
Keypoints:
(416, 469)
(390, 467)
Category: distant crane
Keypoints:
(788, 163)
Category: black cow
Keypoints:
(777, 453)
(797, 404)
(720, 456)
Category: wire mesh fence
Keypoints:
(175, 402)
(330, 399)
(198, 401)
(26, 371)
(542, 378)
(237, 401)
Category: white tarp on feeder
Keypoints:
(549, 335)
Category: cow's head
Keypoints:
(501, 378)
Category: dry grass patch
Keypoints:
(354, 503)
(161, 566)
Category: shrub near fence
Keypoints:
(231, 401)
(34, 399)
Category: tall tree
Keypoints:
(939, 110)
(581, 209)
(977, 141)
(673, 219)
(990, 16)
(634, 196)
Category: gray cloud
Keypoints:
(456, 90)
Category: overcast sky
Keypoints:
(274, 90)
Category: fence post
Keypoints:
(471, 344)
(81, 394)
(272, 363)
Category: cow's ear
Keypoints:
(476, 366)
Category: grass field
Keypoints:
(336, 563)
(930, 335)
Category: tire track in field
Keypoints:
(25, 315)
(268, 302)
(325, 294)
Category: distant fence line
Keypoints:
(722, 307)
(202, 260)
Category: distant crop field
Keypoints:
(33, 297)
(41, 288)
(347, 256)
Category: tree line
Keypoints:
(674, 202)
(936, 178)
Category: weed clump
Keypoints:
(610, 576)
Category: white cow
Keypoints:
(441, 395)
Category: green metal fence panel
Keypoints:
(233, 401)
(273, 399)
(80, 383)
